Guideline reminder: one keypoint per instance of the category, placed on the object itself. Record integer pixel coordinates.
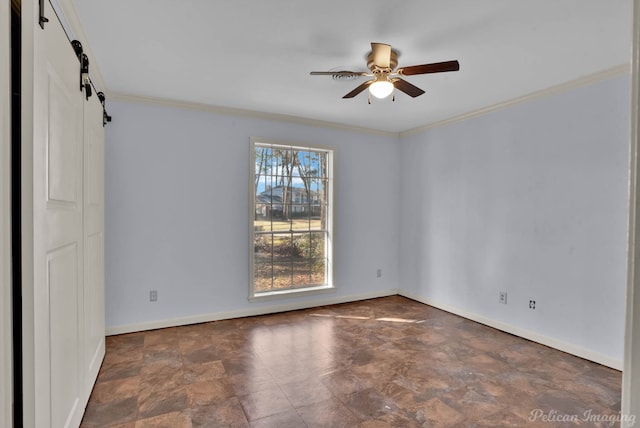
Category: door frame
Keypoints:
(631, 370)
(6, 341)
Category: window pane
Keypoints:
(298, 192)
(302, 244)
(304, 163)
(282, 275)
(262, 219)
(275, 194)
(317, 244)
(295, 163)
(322, 220)
(315, 186)
(322, 164)
(308, 246)
(283, 248)
(300, 220)
(263, 248)
(262, 170)
(317, 258)
(301, 274)
(262, 277)
(318, 271)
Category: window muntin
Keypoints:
(291, 218)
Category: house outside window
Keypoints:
(291, 219)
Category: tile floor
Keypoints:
(377, 363)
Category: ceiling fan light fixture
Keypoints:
(382, 61)
(381, 88)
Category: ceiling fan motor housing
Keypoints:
(393, 62)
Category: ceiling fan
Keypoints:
(382, 61)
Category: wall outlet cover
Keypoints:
(503, 297)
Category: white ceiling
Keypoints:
(257, 55)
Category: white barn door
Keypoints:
(58, 251)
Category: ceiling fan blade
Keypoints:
(406, 87)
(436, 67)
(359, 89)
(381, 54)
(338, 73)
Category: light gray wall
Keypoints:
(531, 200)
(177, 211)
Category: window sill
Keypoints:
(298, 292)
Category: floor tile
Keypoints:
(329, 413)
(344, 381)
(388, 362)
(435, 410)
(167, 420)
(120, 370)
(369, 404)
(110, 413)
(201, 372)
(306, 392)
(228, 414)
(161, 401)
(208, 392)
(289, 419)
(265, 403)
(246, 383)
(118, 389)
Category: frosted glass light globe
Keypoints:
(381, 88)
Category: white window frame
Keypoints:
(329, 287)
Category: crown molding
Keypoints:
(230, 111)
(617, 71)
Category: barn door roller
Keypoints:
(43, 19)
(85, 81)
(105, 117)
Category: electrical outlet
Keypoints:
(503, 297)
(532, 304)
(379, 273)
(153, 296)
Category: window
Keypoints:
(291, 219)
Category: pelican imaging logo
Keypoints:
(553, 416)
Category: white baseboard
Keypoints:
(249, 312)
(560, 345)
